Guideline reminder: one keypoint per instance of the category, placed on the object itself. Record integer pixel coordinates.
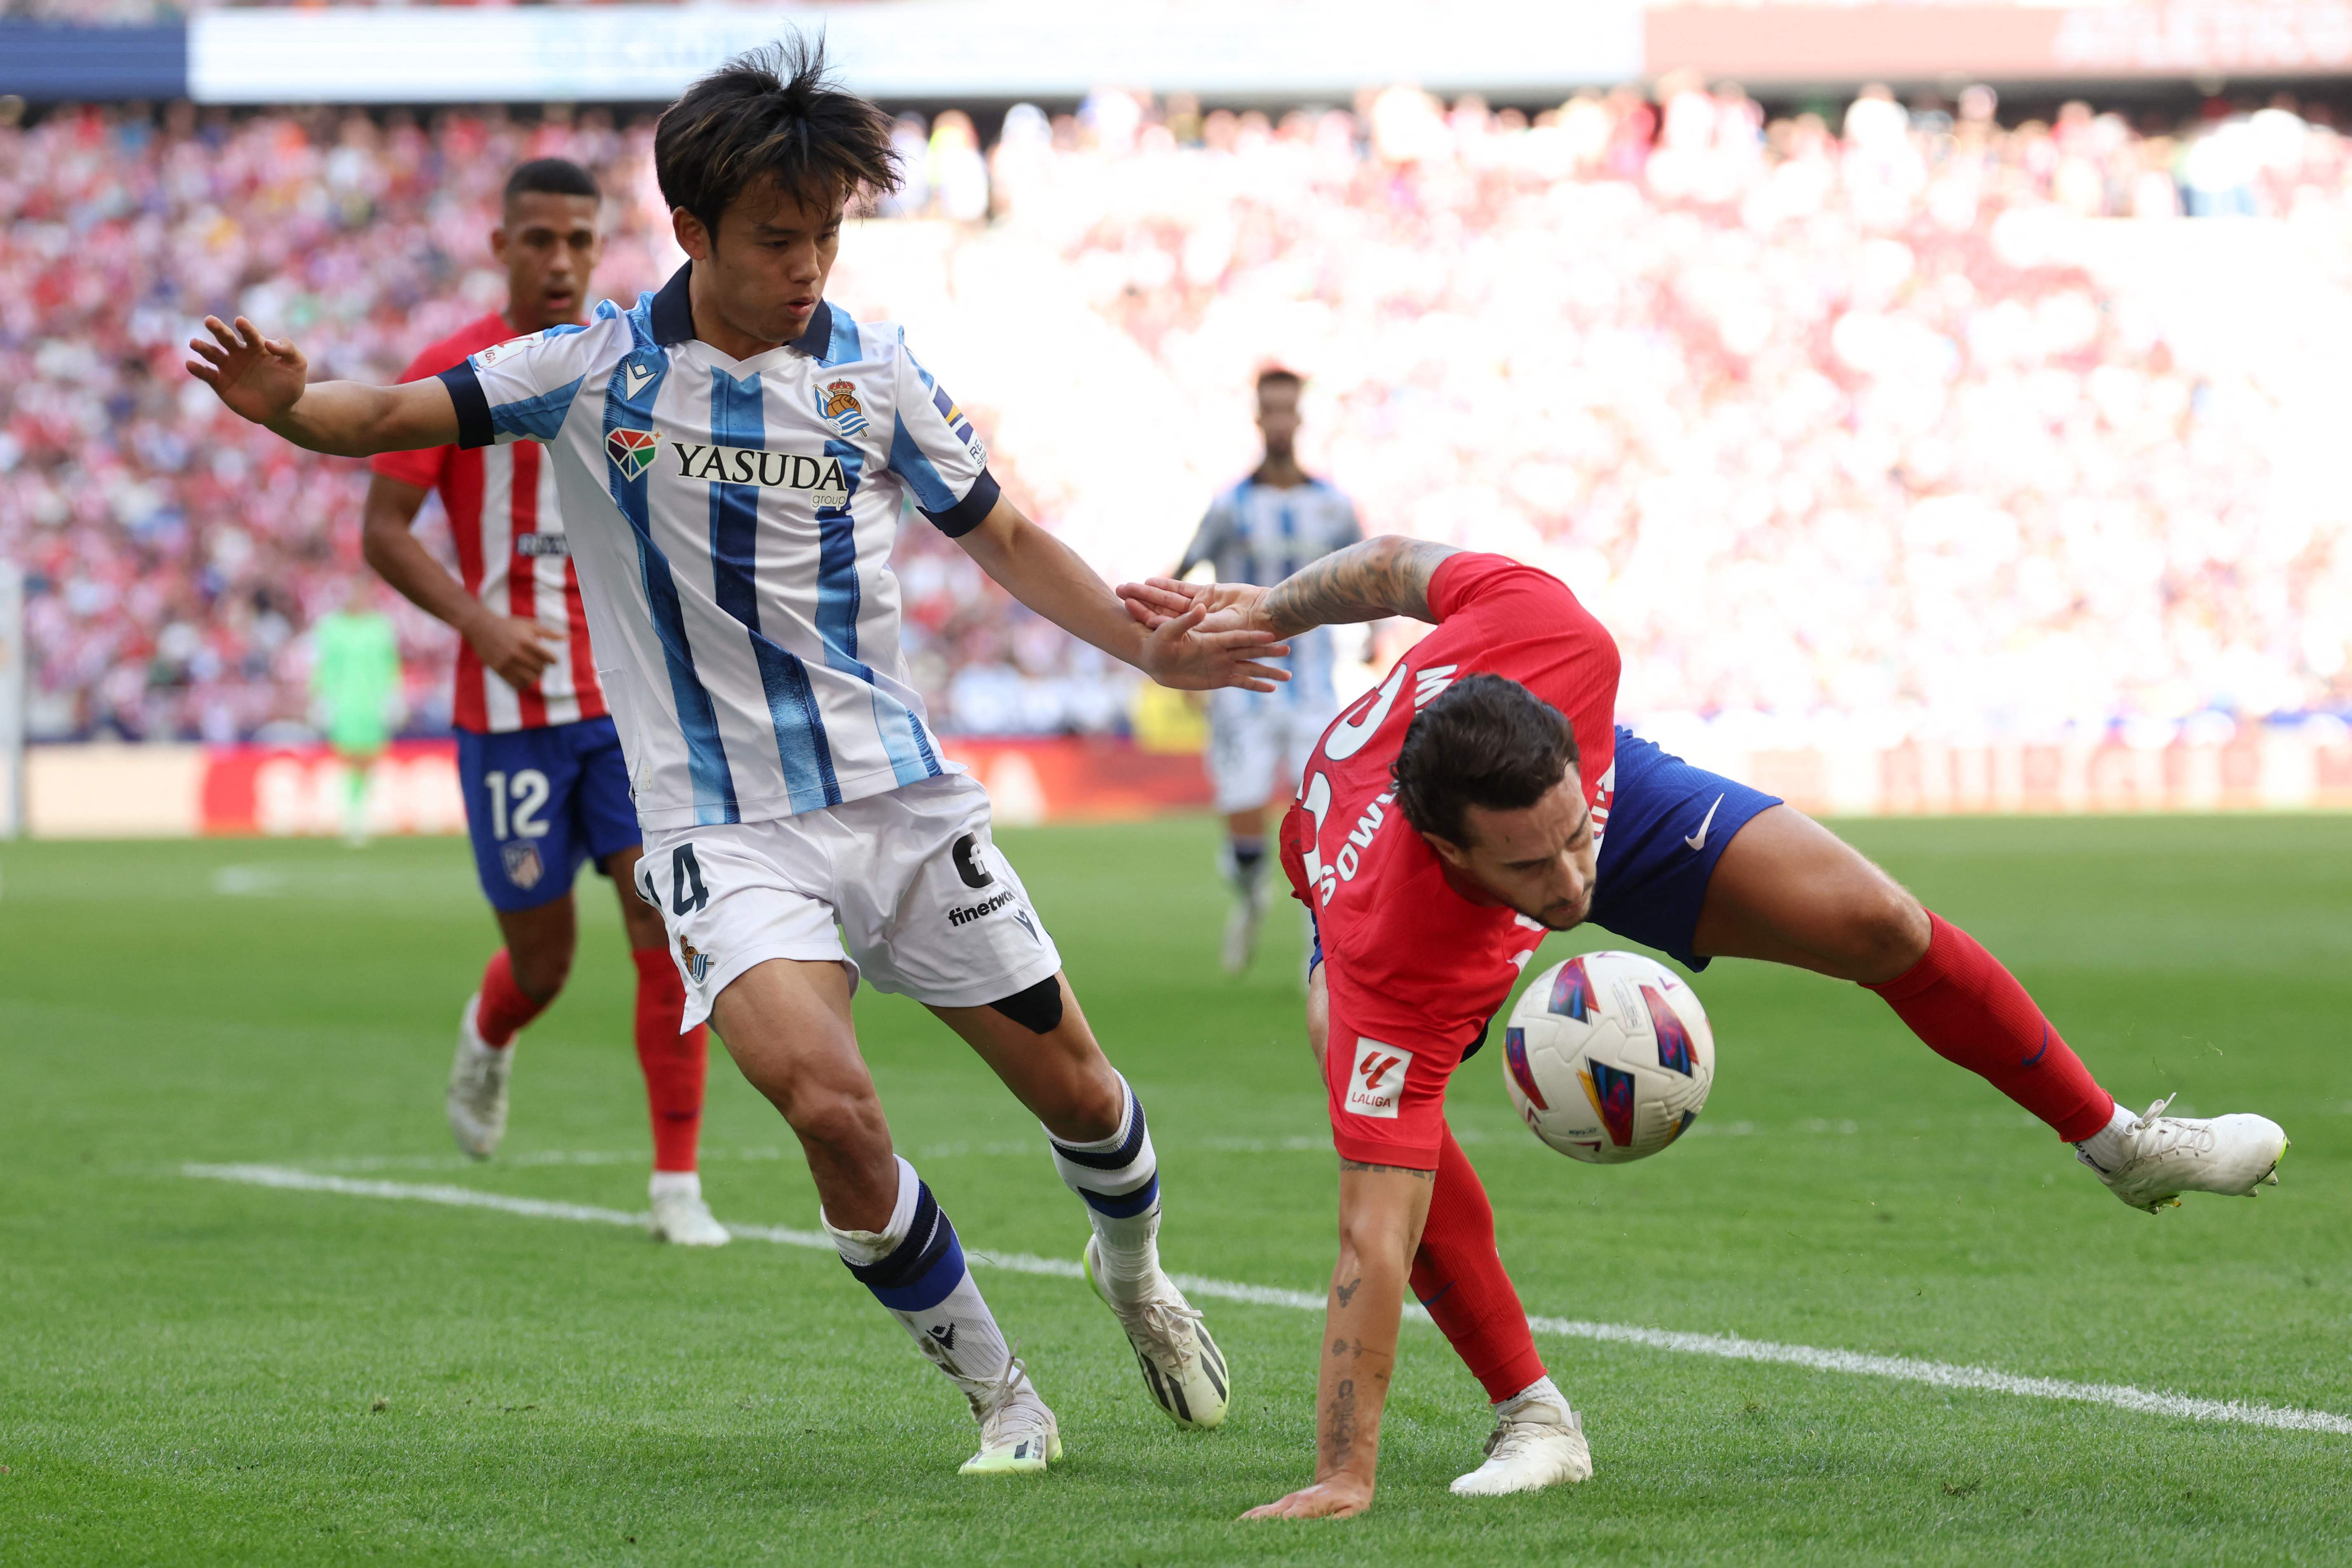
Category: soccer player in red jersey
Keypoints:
(1482, 795)
(541, 763)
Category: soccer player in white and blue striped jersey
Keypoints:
(1263, 530)
(731, 455)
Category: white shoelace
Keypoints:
(1170, 1325)
(2155, 1134)
(1514, 1430)
(1004, 1417)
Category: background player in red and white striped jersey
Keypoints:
(545, 783)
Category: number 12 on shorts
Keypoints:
(526, 790)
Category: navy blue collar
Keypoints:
(672, 317)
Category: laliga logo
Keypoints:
(1376, 1085)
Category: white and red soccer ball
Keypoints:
(1608, 1057)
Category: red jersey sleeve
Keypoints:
(423, 467)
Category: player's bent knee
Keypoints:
(1888, 931)
(841, 1122)
(1037, 1009)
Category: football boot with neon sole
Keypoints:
(476, 1100)
(2165, 1156)
(1535, 1444)
(1180, 1363)
(1018, 1436)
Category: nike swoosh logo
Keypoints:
(638, 375)
(1698, 840)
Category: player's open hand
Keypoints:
(260, 378)
(1340, 1496)
(1181, 651)
(1231, 607)
(517, 648)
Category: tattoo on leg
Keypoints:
(1347, 1164)
(1346, 1292)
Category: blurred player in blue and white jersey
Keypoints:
(1274, 521)
(732, 455)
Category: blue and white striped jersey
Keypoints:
(731, 523)
(1258, 533)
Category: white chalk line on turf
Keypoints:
(1726, 1347)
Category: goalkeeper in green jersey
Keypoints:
(356, 682)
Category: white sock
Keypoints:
(1542, 1391)
(2104, 1150)
(915, 1267)
(1118, 1178)
(668, 1182)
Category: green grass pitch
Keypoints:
(198, 1372)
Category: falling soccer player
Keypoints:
(537, 757)
(1261, 530)
(731, 455)
(1481, 796)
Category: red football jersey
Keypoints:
(1415, 963)
(512, 555)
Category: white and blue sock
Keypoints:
(1119, 1180)
(916, 1269)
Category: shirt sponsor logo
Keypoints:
(542, 544)
(821, 477)
(1376, 1086)
(981, 910)
(632, 451)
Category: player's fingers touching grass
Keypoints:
(1341, 1497)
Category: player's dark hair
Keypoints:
(772, 113)
(1486, 741)
(551, 177)
(1278, 375)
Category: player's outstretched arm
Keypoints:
(1382, 1210)
(267, 380)
(1385, 575)
(1051, 578)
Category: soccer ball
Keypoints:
(1608, 1057)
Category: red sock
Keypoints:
(1972, 1011)
(1459, 1278)
(504, 1007)
(675, 1064)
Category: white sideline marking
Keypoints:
(1726, 1347)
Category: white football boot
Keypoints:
(1181, 1365)
(2164, 1156)
(476, 1100)
(682, 1218)
(1018, 1436)
(1535, 1444)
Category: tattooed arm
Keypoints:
(1382, 1208)
(1385, 575)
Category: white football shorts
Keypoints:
(1259, 743)
(905, 888)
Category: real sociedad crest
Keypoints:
(837, 401)
(698, 962)
(632, 451)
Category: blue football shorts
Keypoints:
(1667, 827)
(538, 802)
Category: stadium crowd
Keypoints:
(1813, 412)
